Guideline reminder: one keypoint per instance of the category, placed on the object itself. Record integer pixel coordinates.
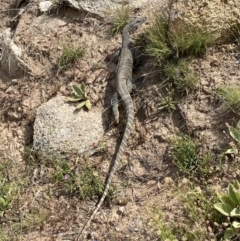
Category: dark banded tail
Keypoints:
(130, 118)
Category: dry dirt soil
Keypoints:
(147, 179)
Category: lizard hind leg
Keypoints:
(115, 103)
(134, 85)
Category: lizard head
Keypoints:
(135, 24)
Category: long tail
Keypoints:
(130, 118)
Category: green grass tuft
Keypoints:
(31, 221)
(188, 156)
(157, 37)
(69, 56)
(185, 154)
(230, 95)
(181, 75)
(199, 217)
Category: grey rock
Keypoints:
(214, 16)
(11, 61)
(59, 127)
(45, 6)
(99, 8)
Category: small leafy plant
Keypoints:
(229, 207)
(167, 102)
(235, 134)
(80, 95)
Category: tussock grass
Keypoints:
(12, 183)
(158, 44)
(31, 221)
(189, 40)
(46, 176)
(119, 18)
(184, 153)
(166, 41)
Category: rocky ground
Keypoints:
(147, 184)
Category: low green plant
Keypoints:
(31, 221)
(90, 184)
(8, 190)
(235, 134)
(229, 207)
(187, 156)
(181, 75)
(185, 153)
(230, 96)
(80, 95)
(167, 102)
(69, 56)
(67, 177)
(163, 231)
(6, 195)
(3, 236)
(119, 18)
(102, 146)
(85, 184)
(197, 202)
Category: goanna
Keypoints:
(124, 88)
